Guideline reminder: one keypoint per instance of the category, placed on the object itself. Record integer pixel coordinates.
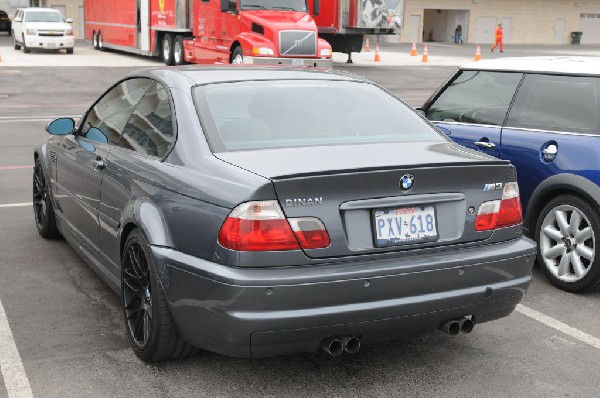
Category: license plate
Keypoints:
(51, 45)
(297, 62)
(404, 225)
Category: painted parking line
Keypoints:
(561, 327)
(15, 379)
(16, 205)
(18, 119)
(16, 167)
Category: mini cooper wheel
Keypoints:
(568, 233)
(43, 210)
(152, 332)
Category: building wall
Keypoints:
(532, 21)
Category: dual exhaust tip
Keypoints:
(455, 326)
(334, 346)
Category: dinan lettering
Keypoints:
(303, 202)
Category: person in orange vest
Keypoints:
(499, 36)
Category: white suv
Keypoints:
(42, 28)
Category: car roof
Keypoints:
(40, 9)
(198, 75)
(547, 64)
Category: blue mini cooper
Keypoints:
(542, 114)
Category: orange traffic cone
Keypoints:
(377, 57)
(478, 53)
(425, 54)
(367, 47)
(413, 50)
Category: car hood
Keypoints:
(285, 162)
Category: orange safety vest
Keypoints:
(499, 33)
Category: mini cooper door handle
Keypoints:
(99, 164)
(485, 144)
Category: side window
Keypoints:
(477, 97)
(557, 103)
(149, 131)
(111, 113)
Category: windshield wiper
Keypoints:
(255, 6)
(284, 8)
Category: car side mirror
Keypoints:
(317, 7)
(69, 20)
(17, 20)
(61, 126)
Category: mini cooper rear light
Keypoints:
(262, 226)
(501, 213)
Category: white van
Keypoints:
(42, 28)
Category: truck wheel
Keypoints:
(237, 57)
(150, 326)
(100, 42)
(69, 51)
(167, 50)
(16, 45)
(95, 40)
(178, 52)
(26, 49)
(568, 236)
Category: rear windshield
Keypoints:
(43, 16)
(3, 14)
(270, 114)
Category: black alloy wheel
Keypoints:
(43, 210)
(151, 329)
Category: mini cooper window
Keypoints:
(270, 114)
(557, 103)
(476, 97)
(111, 113)
(150, 128)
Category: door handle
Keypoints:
(485, 144)
(99, 164)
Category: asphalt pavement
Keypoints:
(66, 325)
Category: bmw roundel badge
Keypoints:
(406, 182)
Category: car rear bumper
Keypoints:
(49, 42)
(265, 312)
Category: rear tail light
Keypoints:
(501, 213)
(262, 226)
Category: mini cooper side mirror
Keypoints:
(61, 126)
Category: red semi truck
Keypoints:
(344, 23)
(210, 31)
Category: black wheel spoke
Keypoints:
(138, 324)
(137, 296)
(147, 326)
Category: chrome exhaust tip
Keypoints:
(332, 346)
(451, 327)
(466, 325)
(351, 344)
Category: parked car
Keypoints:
(543, 115)
(5, 22)
(46, 28)
(263, 211)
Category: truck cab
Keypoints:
(256, 32)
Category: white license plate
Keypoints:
(404, 225)
(52, 45)
(297, 62)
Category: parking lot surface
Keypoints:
(61, 328)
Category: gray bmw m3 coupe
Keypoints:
(263, 211)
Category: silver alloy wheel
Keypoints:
(237, 59)
(177, 53)
(567, 243)
(166, 49)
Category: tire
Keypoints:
(26, 49)
(17, 46)
(568, 236)
(178, 51)
(150, 327)
(70, 50)
(100, 41)
(43, 210)
(167, 49)
(95, 41)
(237, 56)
